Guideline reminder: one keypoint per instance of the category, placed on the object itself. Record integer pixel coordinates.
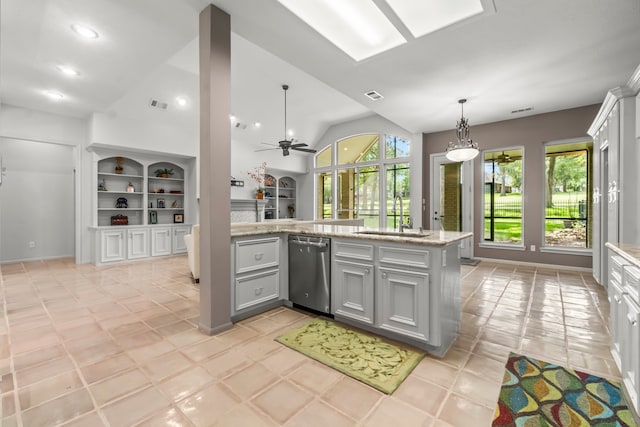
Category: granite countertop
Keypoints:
(425, 237)
(628, 251)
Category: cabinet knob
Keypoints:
(258, 291)
(384, 275)
(258, 256)
(366, 271)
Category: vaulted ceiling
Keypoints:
(547, 54)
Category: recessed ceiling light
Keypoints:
(257, 124)
(68, 71)
(424, 17)
(181, 101)
(53, 95)
(359, 28)
(232, 118)
(291, 132)
(86, 32)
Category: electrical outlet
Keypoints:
(532, 248)
(32, 245)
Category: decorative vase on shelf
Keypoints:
(119, 169)
(260, 194)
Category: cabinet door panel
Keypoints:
(113, 245)
(138, 244)
(179, 246)
(353, 290)
(254, 255)
(401, 295)
(160, 241)
(630, 349)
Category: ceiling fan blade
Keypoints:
(270, 145)
(266, 149)
(306, 150)
(298, 145)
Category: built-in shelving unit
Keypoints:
(280, 196)
(114, 186)
(165, 193)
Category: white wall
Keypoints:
(27, 129)
(370, 124)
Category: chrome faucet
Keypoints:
(401, 224)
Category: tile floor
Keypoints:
(82, 345)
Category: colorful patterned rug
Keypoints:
(539, 394)
(367, 358)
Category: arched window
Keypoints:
(358, 177)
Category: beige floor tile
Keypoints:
(421, 394)
(136, 407)
(393, 412)
(224, 364)
(46, 369)
(319, 414)
(187, 337)
(208, 405)
(142, 354)
(284, 360)
(315, 376)
(483, 390)
(92, 419)
(352, 397)
(118, 385)
(205, 349)
(461, 412)
(259, 348)
(185, 383)
(170, 417)
(166, 365)
(48, 388)
(436, 371)
(250, 381)
(106, 368)
(59, 410)
(485, 367)
(282, 400)
(243, 415)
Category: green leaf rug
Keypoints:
(365, 357)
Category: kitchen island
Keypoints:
(402, 285)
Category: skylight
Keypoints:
(424, 17)
(361, 29)
(358, 28)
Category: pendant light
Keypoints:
(464, 149)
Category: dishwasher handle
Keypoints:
(307, 243)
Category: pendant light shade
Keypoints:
(464, 148)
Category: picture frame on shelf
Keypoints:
(153, 217)
(160, 203)
(178, 218)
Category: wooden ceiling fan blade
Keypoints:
(301, 144)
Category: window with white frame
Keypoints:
(359, 177)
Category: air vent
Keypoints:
(158, 104)
(373, 95)
(522, 110)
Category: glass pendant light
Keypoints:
(464, 148)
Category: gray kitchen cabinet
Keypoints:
(354, 289)
(353, 281)
(256, 278)
(403, 302)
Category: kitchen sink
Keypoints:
(407, 233)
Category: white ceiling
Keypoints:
(545, 54)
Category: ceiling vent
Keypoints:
(158, 104)
(239, 125)
(522, 110)
(373, 95)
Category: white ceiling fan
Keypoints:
(287, 144)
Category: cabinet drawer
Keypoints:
(617, 262)
(257, 254)
(257, 288)
(631, 280)
(404, 257)
(353, 250)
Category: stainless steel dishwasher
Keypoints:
(310, 272)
